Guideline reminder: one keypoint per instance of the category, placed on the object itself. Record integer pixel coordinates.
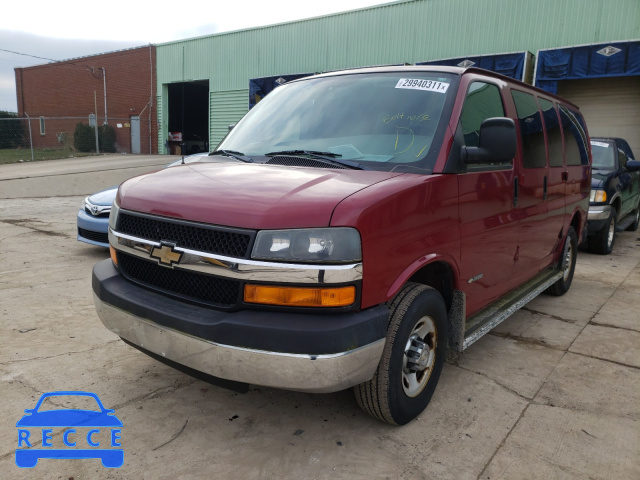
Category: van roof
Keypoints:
(445, 69)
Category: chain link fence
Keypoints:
(46, 138)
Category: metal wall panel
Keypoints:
(400, 32)
(611, 106)
(226, 108)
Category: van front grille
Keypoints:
(203, 238)
(190, 286)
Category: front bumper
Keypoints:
(597, 217)
(293, 351)
(599, 212)
(93, 230)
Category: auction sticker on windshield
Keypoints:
(422, 84)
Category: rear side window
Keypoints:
(533, 147)
(554, 134)
(575, 137)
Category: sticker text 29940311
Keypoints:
(422, 84)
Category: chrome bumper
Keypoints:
(599, 212)
(298, 372)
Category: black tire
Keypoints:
(410, 365)
(634, 226)
(567, 264)
(602, 242)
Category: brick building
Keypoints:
(117, 88)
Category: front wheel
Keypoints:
(567, 264)
(603, 241)
(412, 359)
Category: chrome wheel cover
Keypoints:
(419, 356)
(612, 233)
(567, 259)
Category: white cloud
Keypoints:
(158, 21)
(66, 29)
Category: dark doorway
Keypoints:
(189, 114)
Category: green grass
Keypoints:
(24, 154)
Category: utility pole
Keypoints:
(104, 82)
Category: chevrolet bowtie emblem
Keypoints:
(166, 255)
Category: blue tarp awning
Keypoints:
(508, 64)
(260, 87)
(616, 59)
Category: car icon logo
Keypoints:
(85, 432)
(94, 210)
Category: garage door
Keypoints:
(611, 106)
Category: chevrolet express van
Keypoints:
(366, 221)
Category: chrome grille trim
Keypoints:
(240, 268)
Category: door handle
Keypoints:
(565, 176)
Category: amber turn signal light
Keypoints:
(114, 259)
(300, 297)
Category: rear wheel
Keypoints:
(412, 358)
(603, 241)
(567, 264)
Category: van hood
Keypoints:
(255, 196)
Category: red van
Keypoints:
(366, 221)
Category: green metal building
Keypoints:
(204, 83)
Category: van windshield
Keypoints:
(379, 120)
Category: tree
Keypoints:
(84, 139)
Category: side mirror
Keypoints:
(497, 144)
(633, 166)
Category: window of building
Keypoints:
(533, 146)
(42, 130)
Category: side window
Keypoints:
(575, 137)
(483, 101)
(554, 135)
(533, 147)
(622, 159)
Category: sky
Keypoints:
(65, 29)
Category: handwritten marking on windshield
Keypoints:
(418, 118)
(398, 137)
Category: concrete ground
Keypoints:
(552, 393)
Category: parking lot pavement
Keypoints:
(554, 392)
(75, 176)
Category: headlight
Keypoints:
(597, 196)
(113, 215)
(314, 245)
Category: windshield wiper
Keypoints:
(312, 153)
(329, 157)
(233, 154)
